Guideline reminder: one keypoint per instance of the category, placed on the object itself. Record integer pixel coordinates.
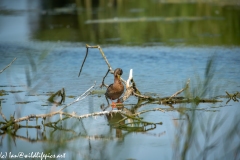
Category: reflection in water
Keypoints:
(192, 23)
(135, 23)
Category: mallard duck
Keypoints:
(115, 90)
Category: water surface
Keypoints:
(158, 70)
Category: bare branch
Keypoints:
(180, 91)
(2, 113)
(84, 95)
(140, 96)
(103, 55)
(8, 65)
(103, 84)
(73, 115)
(83, 62)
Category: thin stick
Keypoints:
(83, 62)
(140, 96)
(105, 58)
(2, 113)
(103, 84)
(73, 115)
(92, 114)
(180, 91)
(103, 55)
(84, 95)
(8, 65)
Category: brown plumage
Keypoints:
(115, 90)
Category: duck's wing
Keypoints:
(109, 90)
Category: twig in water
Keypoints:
(2, 113)
(8, 65)
(178, 92)
(83, 62)
(84, 95)
(232, 96)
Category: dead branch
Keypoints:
(131, 89)
(8, 65)
(95, 114)
(84, 95)
(83, 62)
(104, 57)
(141, 96)
(232, 97)
(3, 116)
(58, 94)
(180, 91)
(103, 84)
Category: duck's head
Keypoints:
(118, 72)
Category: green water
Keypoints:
(125, 23)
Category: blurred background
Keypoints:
(153, 22)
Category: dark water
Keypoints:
(172, 45)
(127, 23)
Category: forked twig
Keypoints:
(105, 59)
(103, 55)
